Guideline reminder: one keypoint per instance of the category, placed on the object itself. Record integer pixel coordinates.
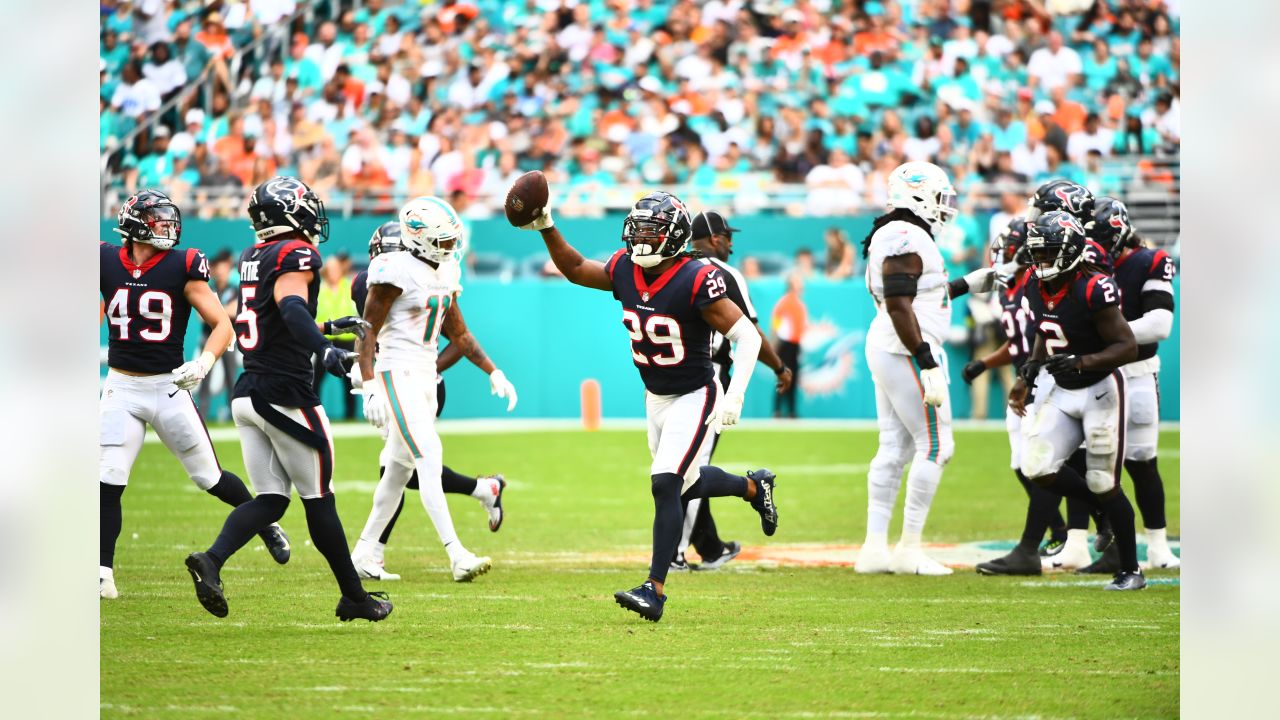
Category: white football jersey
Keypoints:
(932, 304)
(408, 339)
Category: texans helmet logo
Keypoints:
(1069, 223)
(287, 192)
(1069, 198)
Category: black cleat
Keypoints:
(277, 543)
(373, 608)
(731, 550)
(1017, 562)
(204, 573)
(763, 501)
(1127, 581)
(1052, 547)
(682, 565)
(1108, 564)
(1103, 539)
(642, 600)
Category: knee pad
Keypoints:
(666, 485)
(206, 478)
(1099, 481)
(1037, 458)
(110, 475)
(1102, 440)
(1143, 452)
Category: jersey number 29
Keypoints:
(661, 330)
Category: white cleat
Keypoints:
(469, 567)
(1161, 559)
(369, 568)
(1073, 556)
(107, 588)
(913, 561)
(492, 501)
(872, 558)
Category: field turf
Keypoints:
(540, 636)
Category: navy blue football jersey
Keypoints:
(1016, 320)
(670, 341)
(276, 365)
(1065, 320)
(360, 291)
(1133, 272)
(146, 306)
(1097, 256)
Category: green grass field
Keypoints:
(541, 636)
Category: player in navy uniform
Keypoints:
(671, 306)
(1012, 272)
(148, 291)
(488, 489)
(713, 239)
(284, 433)
(1082, 341)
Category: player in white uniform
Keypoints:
(908, 281)
(412, 300)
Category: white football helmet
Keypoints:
(431, 230)
(924, 189)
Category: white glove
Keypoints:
(499, 385)
(541, 222)
(376, 410)
(981, 280)
(934, 383)
(726, 412)
(189, 375)
(356, 378)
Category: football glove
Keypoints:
(981, 280)
(934, 384)
(972, 370)
(356, 377)
(499, 385)
(188, 375)
(376, 410)
(1029, 370)
(1063, 363)
(337, 361)
(347, 324)
(727, 412)
(541, 222)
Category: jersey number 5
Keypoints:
(249, 339)
(118, 314)
(671, 337)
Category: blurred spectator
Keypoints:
(1054, 65)
(789, 320)
(841, 259)
(163, 70)
(135, 96)
(803, 264)
(1092, 136)
(335, 301)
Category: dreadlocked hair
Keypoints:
(693, 254)
(901, 214)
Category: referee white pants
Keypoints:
(131, 403)
(680, 437)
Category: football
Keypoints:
(528, 195)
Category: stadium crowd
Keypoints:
(722, 101)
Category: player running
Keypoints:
(1082, 341)
(149, 292)
(908, 281)
(284, 433)
(671, 305)
(411, 301)
(488, 489)
(713, 238)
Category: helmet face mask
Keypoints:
(657, 228)
(1055, 244)
(1007, 252)
(385, 239)
(925, 190)
(285, 205)
(150, 217)
(431, 230)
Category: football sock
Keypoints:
(883, 480)
(230, 489)
(714, 482)
(1078, 514)
(1148, 491)
(1116, 505)
(457, 483)
(110, 519)
(247, 520)
(667, 519)
(922, 484)
(1042, 508)
(432, 495)
(690, 515)
(1057, 526)
(388, 499)
(328, 537)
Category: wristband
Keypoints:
(924, 357)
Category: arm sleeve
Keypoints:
(301, 324)
(746, 350)
(1154, 326)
